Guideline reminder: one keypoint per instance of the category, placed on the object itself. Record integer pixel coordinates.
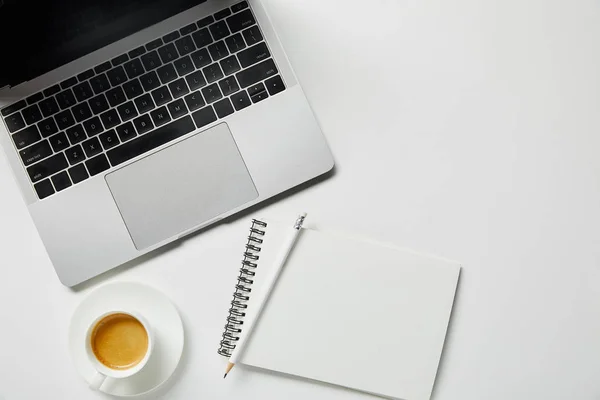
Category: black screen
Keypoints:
(39, 36)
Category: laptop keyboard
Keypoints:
(142, 99)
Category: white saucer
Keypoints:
(163, 319)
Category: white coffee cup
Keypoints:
(103, 371)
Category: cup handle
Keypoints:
(97, 381)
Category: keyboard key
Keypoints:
(196, 80)
(85, 75)
(100, 83)
(188, 29)
(218, 50)
(119, 60)
(144, 103)
(35, 152)
(240, 21)
(168, 53)
(241, 100)
(219, 30)
(201, 58)
(59, 142)
(212, 72)
(185, 45)
(103, 67)
(179, 88)
(99, 104)
(109, 139)
(235, 43)
(127, 111)
(61, 181)
(151, 60)
(222, 14)
(93, 126)
(133, 88)
(167, 73)
(32, 114)
(116, 96)
(150, 81)
(14, 122)
(78, 173)
(26, 136)
(47, 167)
(211, 93)
(134, 68)
(65, 99)
(202, 38)
(83, 91)
(35, 98)
(14, 108)
(47, 127)
(169, 37)
(260, 96)
(64, 119)
(75, 154)
(252, 35)
(49, 106)
(82, 112)
(254, 54)
(205, 21)
(151, 140)
(160, 116)
(275, 85)
(117, 76)
(230, 65)
(204, 116)
(161, 96)
(126, 131)
(256, 88)
(143, 124)
(194, 101)
(52, 90)
(136, 52)
(68, 83)
(177, 109)
(229, 85)
(91, 147)
(239, 6)
(256, 73)
(184, 66)
(223, 108)
(154, 44)
(44, 189)
(110, 119)
(97, 165)
(76, 134)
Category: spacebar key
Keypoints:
(152, 140)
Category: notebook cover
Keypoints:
(353, 313)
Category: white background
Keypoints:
(467, 129)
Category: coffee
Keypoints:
(119, 341)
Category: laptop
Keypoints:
(131, 123)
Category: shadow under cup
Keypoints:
(119, 343)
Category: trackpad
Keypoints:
(182, 186)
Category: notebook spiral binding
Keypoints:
(239, 303)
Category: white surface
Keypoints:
(166, 335)
(351, 313)
(467, 129)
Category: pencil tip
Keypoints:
(225, 376)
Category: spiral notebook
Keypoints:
(349, 312)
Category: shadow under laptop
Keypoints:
(170, 246)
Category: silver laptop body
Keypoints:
(157, 171)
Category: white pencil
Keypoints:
(262, 299)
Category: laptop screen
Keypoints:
(39, 36)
